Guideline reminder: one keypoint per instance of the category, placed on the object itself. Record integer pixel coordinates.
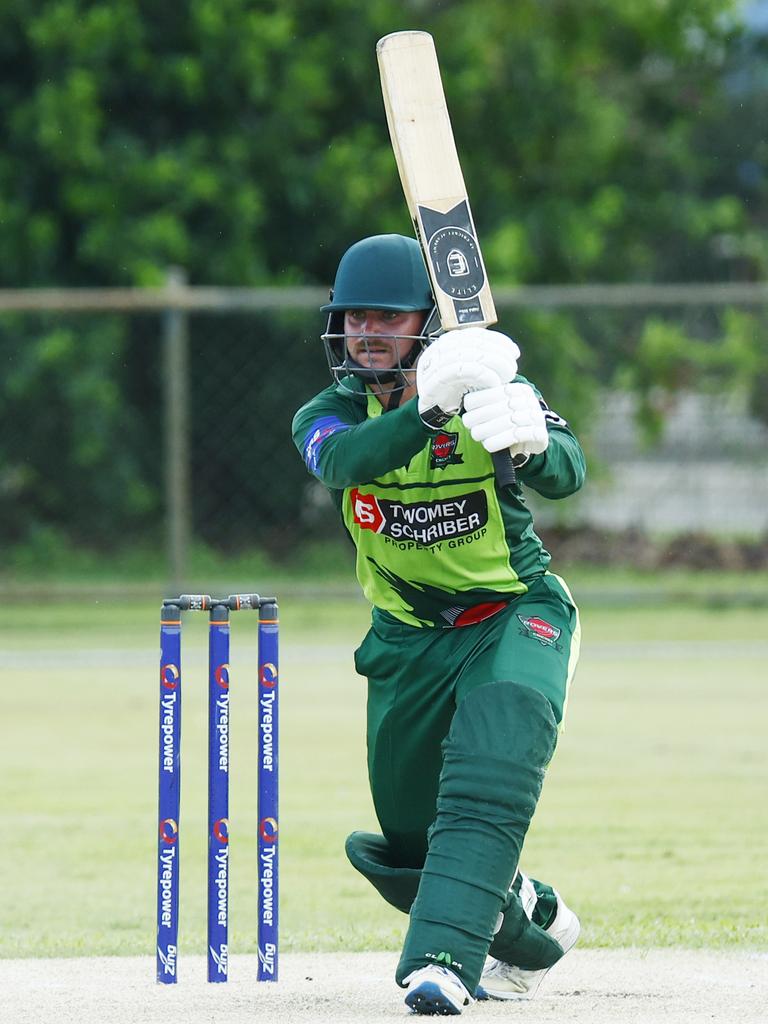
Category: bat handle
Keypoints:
(505, 468)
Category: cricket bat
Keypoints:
(430, 172)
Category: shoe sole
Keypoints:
(429, 999)
(567, 940)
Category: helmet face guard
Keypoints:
(389, 379)
(384, 272)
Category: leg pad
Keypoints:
(501, 740)
(372, 856)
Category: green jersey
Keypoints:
(436, 539)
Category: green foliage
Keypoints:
(249, 375)
(70, 442)
(249, 143)
(557, 358)
(668, 362)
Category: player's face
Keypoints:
(374, 336)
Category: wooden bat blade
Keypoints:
(430, 172)
(433, 184)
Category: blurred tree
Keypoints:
(247, 141)
(732, 134)
(72, 440)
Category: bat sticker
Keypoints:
(453, 251)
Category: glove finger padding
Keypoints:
(493, 419)
(509, 416)
(477, 377)
(496, 351)
(519, 440)
(485, 431)
(517, 398)
(478, 344)
(462, 361)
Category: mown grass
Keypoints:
(652, 822)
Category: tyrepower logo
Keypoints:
(268, 675)
(169, 677)
(425, 522)
(169, 831)
(268, 830)
(267, 872)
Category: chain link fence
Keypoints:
(162, 418)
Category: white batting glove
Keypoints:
(508, 416)
(458, 362)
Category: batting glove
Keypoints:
(509, 416)
(458, 362)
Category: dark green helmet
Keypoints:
(381, 272)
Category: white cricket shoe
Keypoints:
(504, 981)
(436, 991)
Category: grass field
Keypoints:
(652, 822)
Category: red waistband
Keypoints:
(478, 613)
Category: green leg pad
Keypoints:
(518, 941)
(501, 739)
(526, 946)
(372, 856)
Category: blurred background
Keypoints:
(176, 189)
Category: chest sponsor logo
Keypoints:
(443, 452)
(542, 630)
(425, 522)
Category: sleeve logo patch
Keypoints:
(540, 629)
(443, 452)
(320, 430)
(424, 522)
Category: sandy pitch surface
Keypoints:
(587, 987)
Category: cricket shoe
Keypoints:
(436, 991)
(505, 981)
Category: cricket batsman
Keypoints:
(473, 641)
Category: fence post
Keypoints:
(176, 445)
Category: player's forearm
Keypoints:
(559, 471)
(372, 448)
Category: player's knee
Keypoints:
(501, 740)
(375, 859)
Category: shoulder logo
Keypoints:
(443, 452)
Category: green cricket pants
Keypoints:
(418, 677)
